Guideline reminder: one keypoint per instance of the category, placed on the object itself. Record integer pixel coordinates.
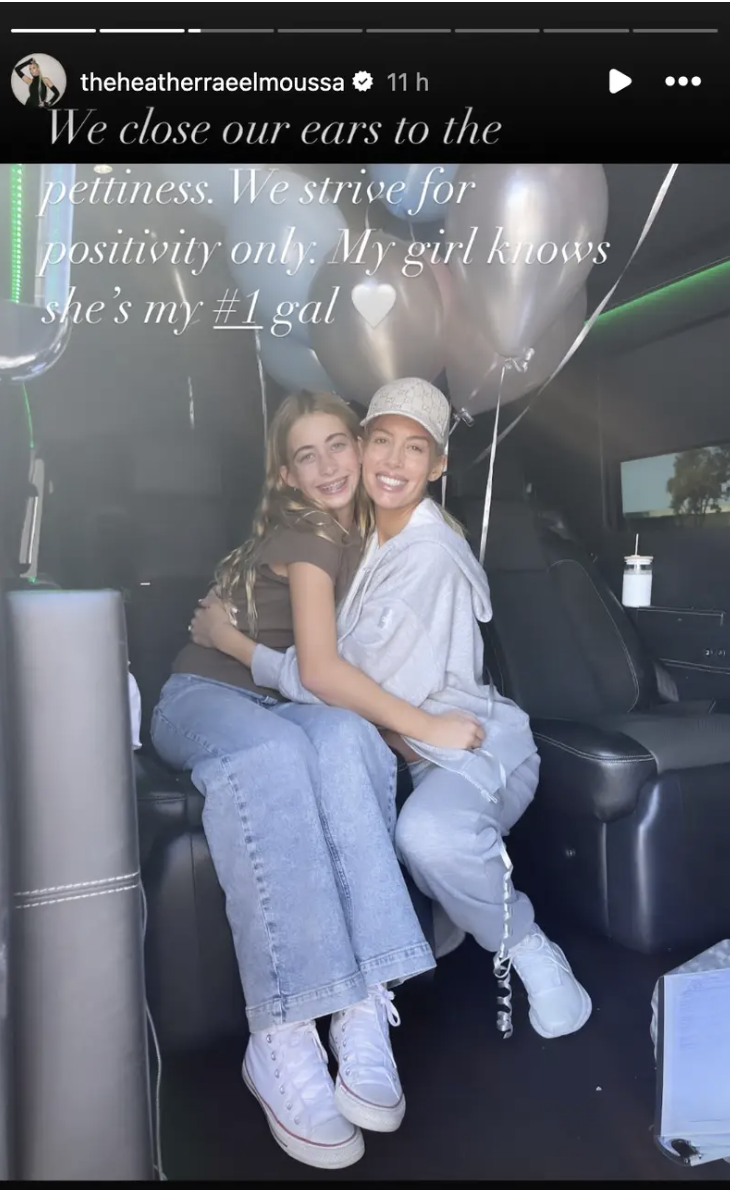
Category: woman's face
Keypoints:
(35, 68)
(399, 460)
(324, 461)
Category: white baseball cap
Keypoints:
(417, 399)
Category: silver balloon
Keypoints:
(29, 346)
(539, 232)
(474, 368)
(383, 326)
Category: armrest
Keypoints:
(588, 771)
(719, 706)
(695, 706)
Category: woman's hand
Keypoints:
(455, 729)
(211, 626)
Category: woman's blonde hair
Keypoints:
(282, 505)
(451, 521)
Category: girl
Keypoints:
(411, 622)
(38, 85)
(300, 803)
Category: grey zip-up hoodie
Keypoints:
(410, 622)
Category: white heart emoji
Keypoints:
(373, 302)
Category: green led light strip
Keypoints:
(16, 232)
(16, 263)
(655, 296)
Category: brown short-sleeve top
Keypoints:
(337, 553)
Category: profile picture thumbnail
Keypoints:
(38, 80)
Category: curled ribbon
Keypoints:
(502, 962)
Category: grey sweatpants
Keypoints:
(449, 837)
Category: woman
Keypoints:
(300, 804)
(38, 85)
(411, 622)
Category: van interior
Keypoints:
(133, 464)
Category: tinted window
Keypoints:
(691, 487)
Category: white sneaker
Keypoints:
(368, 1090)
(558, 1003)
(286, 1069)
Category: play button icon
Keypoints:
(617, 81)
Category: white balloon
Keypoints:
(293, 364)
(275, 248)
(538, 232)
(474, 367)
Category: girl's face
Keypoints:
(35, 68)
(324, 461)
(399, 460)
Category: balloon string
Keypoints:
(262, 387)
(587, 328)
(490, 479)
(520, 365)
(446, 468)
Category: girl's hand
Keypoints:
(397, 744)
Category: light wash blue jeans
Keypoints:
(300, 818)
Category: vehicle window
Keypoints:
(689, 487)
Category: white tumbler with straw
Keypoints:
(637, 579)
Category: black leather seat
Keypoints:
(193, 985)
(630, 829)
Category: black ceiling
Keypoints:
(691, 230)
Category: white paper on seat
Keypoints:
(694, 1072)
(135, 709)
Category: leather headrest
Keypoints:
(555, 522)
(509, 481)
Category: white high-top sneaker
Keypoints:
(558, 1003)
(368, 1090)
(286, 1069)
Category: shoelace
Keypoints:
(307, 1079)
(539, 948)
(383, 996)
(357, 1032)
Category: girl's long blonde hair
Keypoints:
(281, 505)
